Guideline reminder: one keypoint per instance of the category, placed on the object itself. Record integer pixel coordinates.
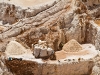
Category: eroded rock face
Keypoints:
(56, 23)
(11, 13)
(33, 68)
(3, 68)
(92, 2)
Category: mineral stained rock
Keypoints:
(54, 22)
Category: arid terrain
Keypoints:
(49, 37)
(26, 3)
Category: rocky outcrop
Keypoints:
(38, 32)
(11, 13)
(92, 3)
(3, 69)
(56, 23)
(33, 68)
(96, 68)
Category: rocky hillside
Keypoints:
(56, 22)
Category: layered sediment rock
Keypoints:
(11, 13)
(92, 2)
(56, 23)
(3, 68)
(33, 68)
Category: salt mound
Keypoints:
(15, 48)
(72, 46)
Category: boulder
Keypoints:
(50, 51)
(37, 51)
(43, 52)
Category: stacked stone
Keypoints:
(41, 50)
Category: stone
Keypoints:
(55, 22)
(37, 51)
(43, 43)
(1, 72)
(43, 52)
(50, 51)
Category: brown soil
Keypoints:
(97, 22)
(60, 55)
(22, 67)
